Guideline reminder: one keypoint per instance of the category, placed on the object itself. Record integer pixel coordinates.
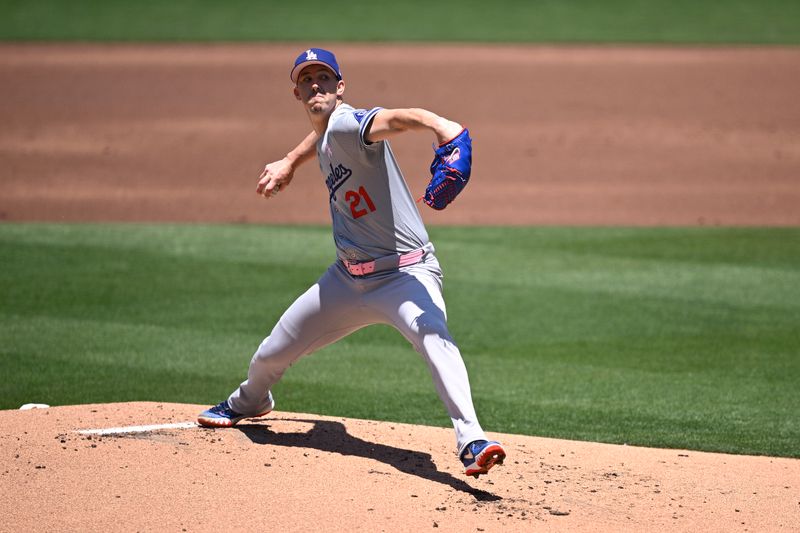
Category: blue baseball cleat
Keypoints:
(480, 455)
(222, 416)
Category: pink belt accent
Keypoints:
(360, 269)
(368, 267)
(411, 258)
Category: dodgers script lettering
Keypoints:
(336, 177)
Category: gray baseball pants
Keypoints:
(410, 299)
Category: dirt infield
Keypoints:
(562, 136)
(297, 472)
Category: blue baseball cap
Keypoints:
(315, 56)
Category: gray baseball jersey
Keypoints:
(374, 216)
(372, 209)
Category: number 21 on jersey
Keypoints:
(360, 202)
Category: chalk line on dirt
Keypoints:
(137, 429)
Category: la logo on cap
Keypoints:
(315, 55)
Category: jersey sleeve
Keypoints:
(364, 118)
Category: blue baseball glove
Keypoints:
(450, 170)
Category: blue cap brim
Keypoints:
(296, 70)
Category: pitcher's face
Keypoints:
(318, 89)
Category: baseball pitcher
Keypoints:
(386, 271)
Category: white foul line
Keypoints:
(137, 429)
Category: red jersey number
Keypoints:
(356, 199)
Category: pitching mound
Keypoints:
(298, 472)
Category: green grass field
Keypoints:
(553, 21)
(676, 337)
(663, 337)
